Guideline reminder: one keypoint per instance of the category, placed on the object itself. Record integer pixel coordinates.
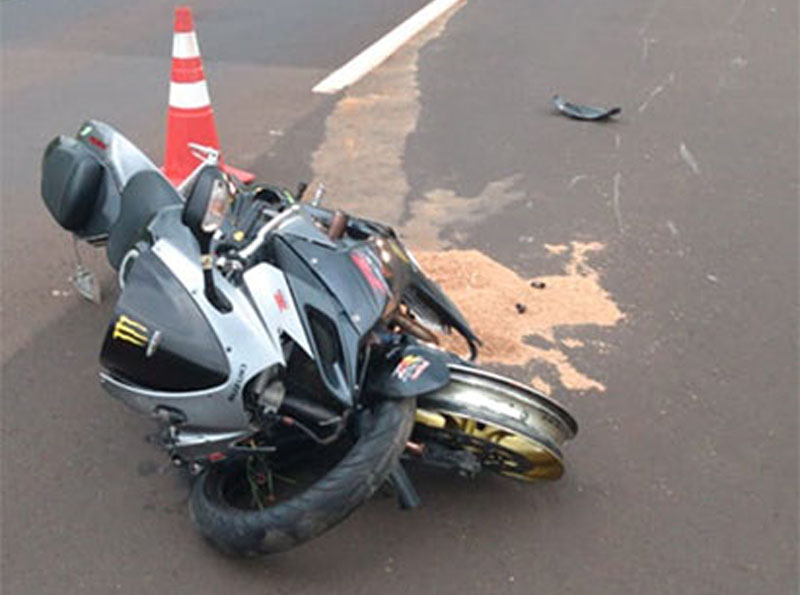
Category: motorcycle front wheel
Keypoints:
(224, 514)
(507, 426)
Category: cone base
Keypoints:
(244, 176)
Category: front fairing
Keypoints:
(338, 305)
(343, 289)
(408, 282)
(168, 348)
(158, 337)
(349, 271)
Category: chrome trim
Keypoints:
(131, 254)
(195, 445)
(524, 391)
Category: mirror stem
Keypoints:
(213, 295)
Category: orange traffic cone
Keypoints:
(190, 117)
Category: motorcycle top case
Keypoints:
(71, 182)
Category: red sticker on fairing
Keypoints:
(373, 277)
(97, 143)
(280, 301)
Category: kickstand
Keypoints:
(84, 280)
(407, 496)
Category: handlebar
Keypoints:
(262, 234)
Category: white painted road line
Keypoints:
(387, 45)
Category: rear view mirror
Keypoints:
(207, 204)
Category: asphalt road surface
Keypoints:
(684, 478)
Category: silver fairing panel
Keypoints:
(218, 412)
(273, 298)
(123, 157)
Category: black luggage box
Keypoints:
(71, 182)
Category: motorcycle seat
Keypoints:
(145, 194)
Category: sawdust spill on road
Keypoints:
(488, 294)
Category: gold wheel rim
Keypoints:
(503, 450)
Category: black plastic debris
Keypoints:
(583, 112)
(521, 308)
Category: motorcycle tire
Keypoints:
(287, 524)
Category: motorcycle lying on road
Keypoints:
(287, 351)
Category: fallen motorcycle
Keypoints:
(287, 351)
